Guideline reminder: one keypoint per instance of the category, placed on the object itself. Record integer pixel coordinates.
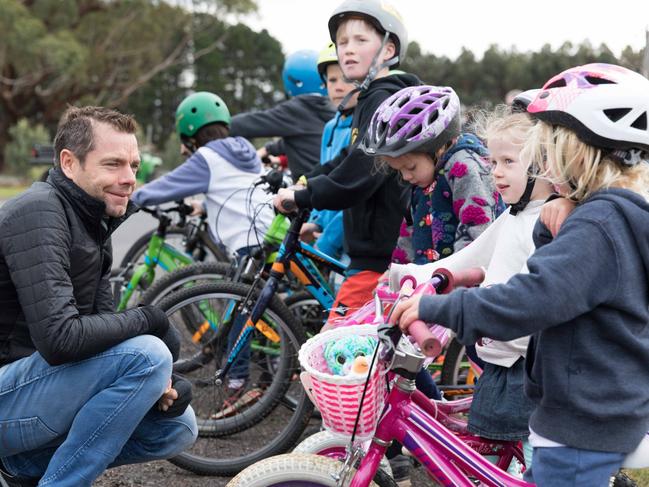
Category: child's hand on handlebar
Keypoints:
(406, 312)
(284, 201)
(309, 231)
(197, 208)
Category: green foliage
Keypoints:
(170, 155)
(486, 80)
(54, 53)
(145, 56)
(18, 152)
(245, 71)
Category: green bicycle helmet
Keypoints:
(200, 109)
(327, 56)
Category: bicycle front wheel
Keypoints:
(269, 415)
(297, 470)
(456, 369)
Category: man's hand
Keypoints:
(405, 312)
(308, 232)
(284, 201)
(554, 213)
(168, 398)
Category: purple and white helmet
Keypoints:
(607, 106)
(415, 119)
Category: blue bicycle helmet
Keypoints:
(300, 74)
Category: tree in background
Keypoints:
(245, 70)
(59, 52)
(143, 56)
(486, 80)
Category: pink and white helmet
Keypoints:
(607, 106)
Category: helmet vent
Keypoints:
(560, 83)
(400, 124)
(416, 111)
(595, 80)
(194, 110)
(433, 116)
(615, 114)
(640, 122)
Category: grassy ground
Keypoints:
(11, 191)
(641, 476)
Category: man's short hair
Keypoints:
(75, 131)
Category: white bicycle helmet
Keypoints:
(607, 106)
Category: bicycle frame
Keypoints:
(158, 253)
(425, 428)
(410, 418)
(293, 256)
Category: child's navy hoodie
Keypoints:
(585, 301)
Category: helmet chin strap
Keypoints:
(629, 157)
(189, 143)
(525, 198)
(375, 67)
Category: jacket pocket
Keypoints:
(24, 434)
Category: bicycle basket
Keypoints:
(338, 397)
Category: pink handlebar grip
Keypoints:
(469, 277)
(464, 278)
(429, 344)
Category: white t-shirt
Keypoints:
(502, 249)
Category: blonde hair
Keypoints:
(502, 121)
(582, 168)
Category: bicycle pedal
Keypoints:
(247, 399)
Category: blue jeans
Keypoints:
(66, 424)
(572, 467)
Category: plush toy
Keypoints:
(346, 356)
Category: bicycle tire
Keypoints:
(226, 445)
(453, 373)
(329, 445)
(298, 470)
(308, 310)
(197, 273)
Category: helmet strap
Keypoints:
(375, 67)
(189, 143)
(629, 157)
(525, 199)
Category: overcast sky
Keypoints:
(443, 27)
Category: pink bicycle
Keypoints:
(429, 430)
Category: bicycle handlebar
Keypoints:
(274, 179)
(182, 209)
(428, 343)
(443, 281)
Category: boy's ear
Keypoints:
(390, 50)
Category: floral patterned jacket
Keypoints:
(457, 207)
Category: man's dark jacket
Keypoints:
(55, 260)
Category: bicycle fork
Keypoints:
(253, 321)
